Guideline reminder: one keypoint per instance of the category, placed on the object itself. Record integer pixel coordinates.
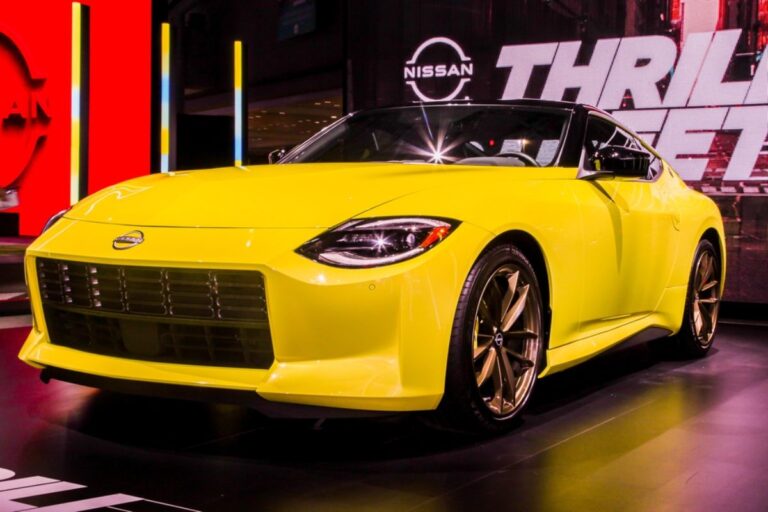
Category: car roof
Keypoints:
(522, 102)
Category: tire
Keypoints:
(483, 397)
(702, 303)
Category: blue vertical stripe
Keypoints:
(238, 125)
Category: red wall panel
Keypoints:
(35, 35)
(121, 56)
(35, 102)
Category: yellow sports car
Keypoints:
(422, 258)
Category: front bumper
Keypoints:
(371, 339)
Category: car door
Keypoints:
(628, 229)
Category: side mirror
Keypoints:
(621, 161)
(276, 155)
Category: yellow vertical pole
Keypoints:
(238, 67)
(77, 57)
(165, 97)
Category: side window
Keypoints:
(654, 169)
(601, 133)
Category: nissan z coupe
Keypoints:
(435, 257)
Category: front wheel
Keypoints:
(702, 302)
(497, 344)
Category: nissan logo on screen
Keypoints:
(438, 70)
(24, 113)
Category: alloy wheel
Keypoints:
(706, 297)
(506, 341)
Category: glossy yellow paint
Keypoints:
(617, 252)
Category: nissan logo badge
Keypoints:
(128, 240)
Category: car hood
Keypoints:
(277, 196)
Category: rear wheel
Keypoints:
(497, 345)
(702, 302)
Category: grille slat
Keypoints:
(193, 298)
(188, 316)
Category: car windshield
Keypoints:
(444, 134)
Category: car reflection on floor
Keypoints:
(635, 429)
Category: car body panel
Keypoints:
(345, 335)
(617, 252)
(286, 196)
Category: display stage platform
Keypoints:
(634, 429)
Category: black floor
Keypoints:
(634, 429)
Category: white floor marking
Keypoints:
(7, 503)
(18, 483)
(90, 504)
(172, 506)
(12, 489)
(12, 322)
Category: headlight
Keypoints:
(54, 218)
(365, 243)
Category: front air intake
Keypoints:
(171, 315)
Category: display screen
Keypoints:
(690, 78)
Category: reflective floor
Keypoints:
(635, 429)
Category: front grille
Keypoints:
(187, 316)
